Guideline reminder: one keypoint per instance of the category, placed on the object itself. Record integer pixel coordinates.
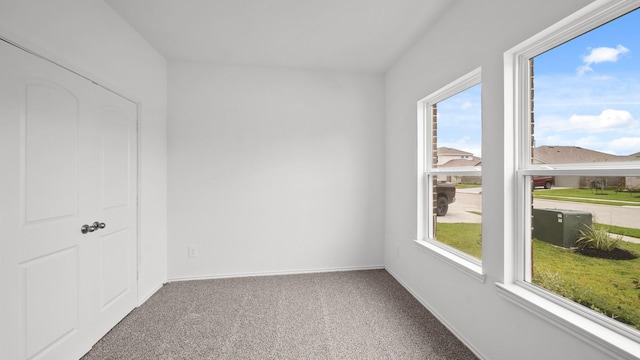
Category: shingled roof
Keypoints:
(476, 161)
(451, 151)
(574, 154)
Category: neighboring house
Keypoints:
(449, 157)
(446, 154)
(575, 154)
(633, 182)
(571, 154)
(475, 161)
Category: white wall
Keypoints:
(472, 33)
(89, 37)
(274, 170)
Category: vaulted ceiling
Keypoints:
(351, 35)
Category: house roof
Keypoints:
(451, 151)
(574, 154)
(476, 161)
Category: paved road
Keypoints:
(466, 200)
(627, 216)
(471, 200)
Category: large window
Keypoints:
(450, 158)
(576, 112)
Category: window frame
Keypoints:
(610, 336)
(427, 172)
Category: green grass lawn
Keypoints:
(609, 197)
(467, 186)
(462, 236)
(610, 287)
(606, 286)
(621, 230)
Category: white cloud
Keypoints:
(602, 78)
(624, 145)
(589, 142)
(549, 125)
(609, 119)
(601, 54)
(551, 140)
(466, 105)
(604, 54)
(464, 143)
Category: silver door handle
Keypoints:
(86, 229)
(93, 227)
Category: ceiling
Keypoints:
(351, 35)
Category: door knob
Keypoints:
(86, 228)
(93, 227)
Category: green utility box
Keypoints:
(560, 227)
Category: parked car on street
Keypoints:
(544, 181)
(446, 195)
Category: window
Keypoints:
(576, 116)
(449, 171)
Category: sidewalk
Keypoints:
(617, 219)
(475, 190)
(552, 197)
(626, 238)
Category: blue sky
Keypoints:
(587, 91)
(459, 121)
(587, 94)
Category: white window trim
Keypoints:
(616, 339)
(459, 260)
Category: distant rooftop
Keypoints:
(574, 154)
(451, 151)
(476, 161)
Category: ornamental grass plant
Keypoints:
(595, 237)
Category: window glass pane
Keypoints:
(461, 227)
(587, 96)
(459, 129)
(586, 239)
(586, 227)
(458, 199)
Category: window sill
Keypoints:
(468, 267)
(616, 345)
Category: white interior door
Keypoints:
(67, 156)
(115, 267)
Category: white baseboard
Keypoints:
(149, 295)
(440, 318)
(274, 273)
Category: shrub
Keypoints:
(594, 237)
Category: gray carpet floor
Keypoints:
(339, 315)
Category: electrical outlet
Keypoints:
(192, 251)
